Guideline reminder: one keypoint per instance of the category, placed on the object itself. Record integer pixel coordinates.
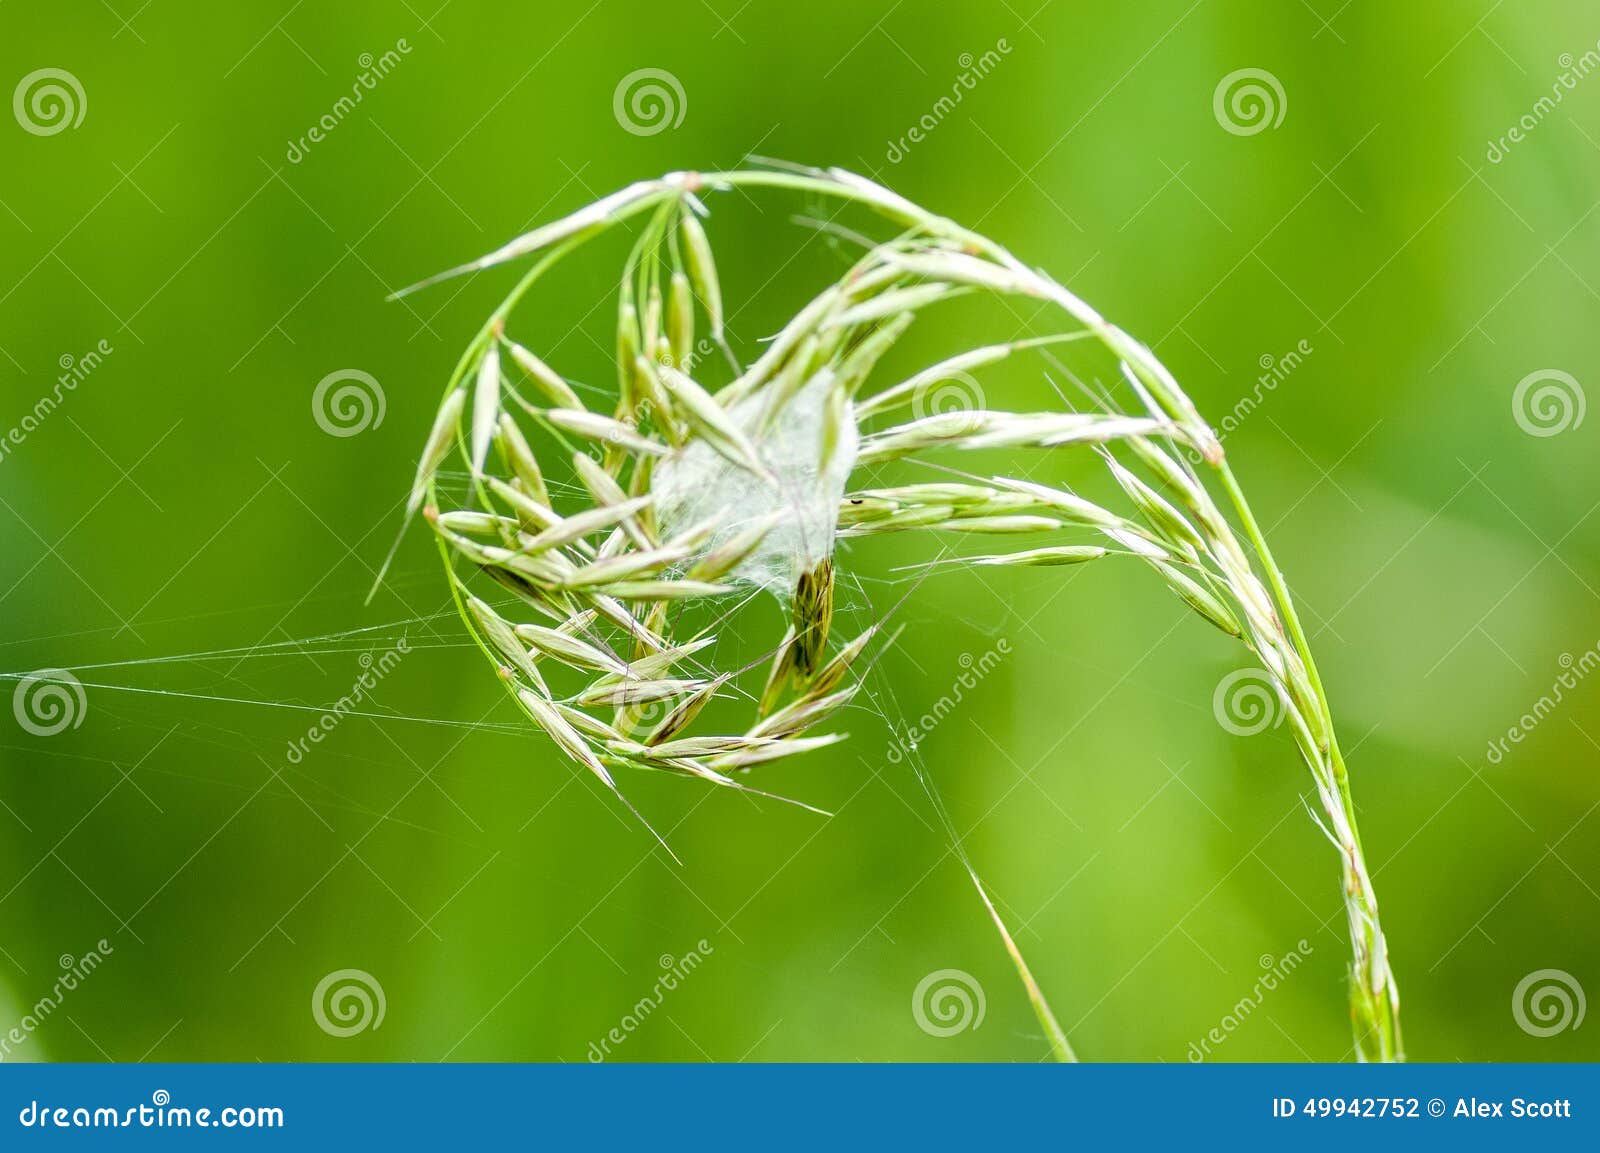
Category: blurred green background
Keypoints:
(182, 500)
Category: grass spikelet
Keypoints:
(1067, 554)
(665, 590)
(485, 524)
(1199, 599)
(703, 270)
(803, 713)
(654, 664)
(900, 300)
(436, 447)
(546, 379)
(521, 461)
(680, 321)
(683, 715)
(498, 632)
(781, 673)
(628, 356)
(859, 364)
(628, 564)
(570, 650)
(534, 515)
(707, 418)
(829, 676)
(998, 524)
(567, 738)
(485, 407)
(813, 614)
(604, 430)
(791, 378)
(603, 212)
(616, 694)
(759, 753)
(581, 524)
(726, 557)
(1169, 524)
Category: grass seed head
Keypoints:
(747, 485)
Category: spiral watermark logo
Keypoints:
(49, 101)
(1246, 703)
(947, 1002)
(48, 702)
(348, 402)
(648, 101)
(649, 716)
(1548, 402)
(1547, 1002)
(956, 392)
(347, 1002)
(1249, 101)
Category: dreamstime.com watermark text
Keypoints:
(974, 670)
(74, 371)
(159, 1113)
(1274, 371)
(374, 670)
(1277, 970)
(676, 971)
(1574, 670)
(373, 69)
(76, 970)
(973, 69)
(1573, 70)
